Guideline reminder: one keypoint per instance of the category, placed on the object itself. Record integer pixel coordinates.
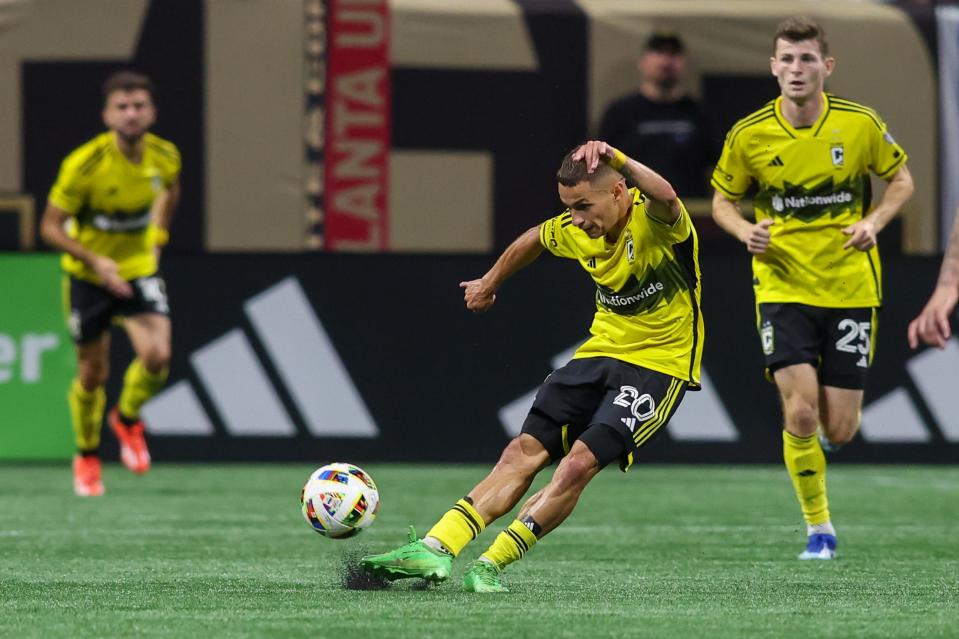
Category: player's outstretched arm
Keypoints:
(662, 201)
(729, 218)
(863, 233)
(480, 294)
(53, 233)
(932, 324)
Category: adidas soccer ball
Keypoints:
(339, 500)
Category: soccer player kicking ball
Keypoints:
(109, 211)
(621, 386)
(816, 270)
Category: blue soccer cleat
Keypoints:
(819, 546)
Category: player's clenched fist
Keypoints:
(479, 296)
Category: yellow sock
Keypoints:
(510, 545)
(139, 385)
(460, 525)
(807, 469)
(86, 414)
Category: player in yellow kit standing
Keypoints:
(621, 387)
(109, 212)
(816, 270)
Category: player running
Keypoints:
(109, 212)
(620, 388)
(816, 270)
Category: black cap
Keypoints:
(665, 42)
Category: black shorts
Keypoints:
(839, 342)
(611, 406)
(92, 307)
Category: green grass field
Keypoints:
(210, 551)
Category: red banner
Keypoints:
(357, 126)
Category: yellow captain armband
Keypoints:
(618, 161)
(157, 236)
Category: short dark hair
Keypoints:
(572, 172)
(799, 28)
(127, 81)
(665, 42)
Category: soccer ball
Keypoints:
(339, 500)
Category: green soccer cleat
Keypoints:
(415, 559)
(483, 576)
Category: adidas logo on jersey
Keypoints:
(775, 162)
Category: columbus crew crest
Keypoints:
(838, 154)
(767, 336)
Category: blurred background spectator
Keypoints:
(661, 125)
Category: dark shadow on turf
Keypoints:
(355, 578)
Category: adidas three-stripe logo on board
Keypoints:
(241, 392)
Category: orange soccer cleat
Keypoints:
(133, 445)
(87, 477)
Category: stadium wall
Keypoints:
(318, 356)
(478, 102)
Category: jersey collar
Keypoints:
(805, 132)
(115, 149)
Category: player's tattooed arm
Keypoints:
(480, 294)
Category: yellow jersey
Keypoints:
(647, 290)
(812, 182)
(110, 198)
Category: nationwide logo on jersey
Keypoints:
(778, 204)
(117, 222)
(826, 198)
(661, 282)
